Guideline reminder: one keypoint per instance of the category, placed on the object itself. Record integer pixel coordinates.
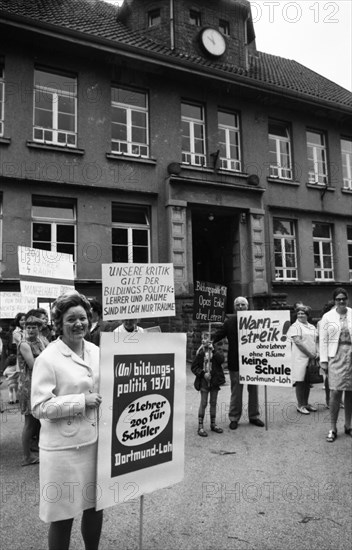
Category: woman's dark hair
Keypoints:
(42, 311)
(96, 306)
(338, 291)
(63, 303)
(306, 309)
(18, 318)
(329, 305)
(32, 319)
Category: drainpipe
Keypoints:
(172, 25)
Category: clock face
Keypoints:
(213, 41)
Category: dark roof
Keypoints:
(291, 75)
(96, 19)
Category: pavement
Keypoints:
(274, 488)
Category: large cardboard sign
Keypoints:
(209, 302)
(36, 266)
(44, 290)
(12, 303)
(264, 350)
(44, 264)
(142, 416)
(136, 291)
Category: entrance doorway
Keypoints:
(214, 244)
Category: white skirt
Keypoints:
(67, 482)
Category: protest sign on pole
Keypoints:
(142, 415)
(37, 266)
(209, 302)
(263, 348)
(132, 291)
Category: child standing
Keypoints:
(207, 367)
(11, 373)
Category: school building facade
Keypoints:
(156, 132)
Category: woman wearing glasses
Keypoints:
(335, 341)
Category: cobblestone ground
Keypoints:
(278, 488)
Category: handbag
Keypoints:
(197, 383)
(313, 375)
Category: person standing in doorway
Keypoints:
(229, 330)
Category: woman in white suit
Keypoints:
(65, 397)
(335, 342)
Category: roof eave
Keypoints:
(148, 56)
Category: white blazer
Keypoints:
(59, 383)
(329, 333)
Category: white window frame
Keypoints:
(54, 135)
(346, 153)
(130, 227)
(228, 162)
(322, 273)
(317, 155)
(285, 272)
(279, 170)
(191, 157)
(2, 101)
(349, 249)
(133, 148)
(54, 223)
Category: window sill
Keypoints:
(305, 283)
(46, 147)
(320, 187)
(347, 191)
(195, 168)
(130, 158)
(232, 173)
(281, 181)
(187, 179)
(5, 141)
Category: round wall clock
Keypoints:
(213, 41)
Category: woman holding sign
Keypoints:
(303, 337)
(66, 400)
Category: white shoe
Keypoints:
(303, 410)
(311, 408)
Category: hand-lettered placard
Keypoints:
(209, 302)
(13, 302)
(136, 291)
(263, 347)
(44, 264)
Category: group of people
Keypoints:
(228, 330)
(31, 334)
(57, 371)
(329, 344)
(58, 386)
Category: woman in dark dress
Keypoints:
(28, 350)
